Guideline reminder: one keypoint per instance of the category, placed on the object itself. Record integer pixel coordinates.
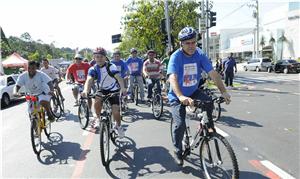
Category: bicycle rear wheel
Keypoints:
(216, 111)
(104, 142)
(157, 106)
(83, 114)
(47, 127)
(217, 158)
(35, 135)
(136, 95)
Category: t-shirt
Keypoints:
(104, 80)
(153, 69)
(79, 71)
(36, 85)
(228, 64)
(121, 66)
(51, 72)
(135, 66)
(188, 71)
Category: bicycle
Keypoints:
(135, 91)
(216, 104)
(38, 122)
(57, 104)
(156, 102)
(83, 108)
(123, 104)
(106, 127)
(213, 147)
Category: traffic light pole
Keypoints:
(203, 34)
(168, 26)
(207, 30)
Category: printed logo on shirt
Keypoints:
(189, 74)
(134, 67)
(119, 68)
(80, 75)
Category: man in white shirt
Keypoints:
(36, 83)
(53, 73)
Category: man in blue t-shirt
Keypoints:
(228, 67)
(184, 71)
(121, 66)
(135, 66)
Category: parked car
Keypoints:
(7, 84)
(285, 66)
(258, 64)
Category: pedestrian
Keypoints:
(228, 66)
(184, 71)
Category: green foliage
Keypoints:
(34, 56)
(142, 24)
(48, 56)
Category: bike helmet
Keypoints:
(133, 50)
(150, 51)
(100, 50)
(187, 33)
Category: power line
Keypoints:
(233, 11)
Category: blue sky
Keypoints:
(90, 23)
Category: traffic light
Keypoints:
(199, 45)
(116, 38)
(212, 19)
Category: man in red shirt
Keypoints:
(79, 71)
(152, 69)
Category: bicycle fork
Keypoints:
(211, 161)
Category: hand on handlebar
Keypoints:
(226, 96)
(186, 100)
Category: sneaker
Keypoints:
(120, 131)
(76, 103)
(178, 159)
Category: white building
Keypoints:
(279, 29)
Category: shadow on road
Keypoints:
(237, 123)
(59, 151)
(250, 175)
(131, 162)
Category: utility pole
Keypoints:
(257, 30)
(203, 34)
(168, 25)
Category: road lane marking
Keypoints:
(276, 169)
(257, 164)
(80, 163)
(219, 131)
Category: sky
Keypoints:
(91, 23)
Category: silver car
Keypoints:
(258, 64)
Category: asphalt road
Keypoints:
(261, 124)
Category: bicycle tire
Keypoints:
(61, 103)
(215, 143)
(36, 137)
(157, 102)
(83, 114)
(47, 126)
(136, 95)
(171, 129)
(216, 111)
(54, 103)
(104, 143)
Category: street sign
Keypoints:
(116, 38)
(202, 25)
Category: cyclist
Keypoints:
(135, 66)
(152, 70)
(78, 71)
(121, 65)
(38, 83)
(108, 81)
(54, 74)
(184, 72)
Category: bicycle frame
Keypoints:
(35, 109)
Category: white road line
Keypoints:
(272, 89)
(219, 131)
(277, 170)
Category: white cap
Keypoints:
(77, 55)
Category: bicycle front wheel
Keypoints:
(217, 158)
(55, 107)
(35, 135)
(157, 106)
(136, 95)
(83, 114)
(104, 142)
(216, 111)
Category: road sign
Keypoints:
(116, 38)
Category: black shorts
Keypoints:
(114, 99)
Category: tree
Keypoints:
(142, 23)
(35, 56)
(26, 37)
(262, 43)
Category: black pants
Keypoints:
(229, 78)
